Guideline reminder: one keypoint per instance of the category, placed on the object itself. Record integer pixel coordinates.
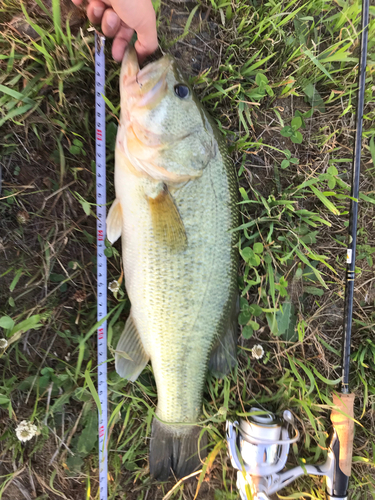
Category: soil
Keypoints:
(57, 235)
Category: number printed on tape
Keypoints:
(101, 261)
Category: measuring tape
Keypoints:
(101, 258)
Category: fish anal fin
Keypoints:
(114, 221)
(224, 352)
(166, 221)
(130, 358)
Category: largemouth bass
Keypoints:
(176, 196)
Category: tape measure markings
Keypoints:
(100, 153)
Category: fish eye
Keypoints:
(181, 91)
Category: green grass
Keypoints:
(280, 80)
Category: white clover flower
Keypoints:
(223, 410)
(26, 431)
(23, 217)
(3, 343)
(257, 351)
(114, 286)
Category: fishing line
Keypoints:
(100, 152)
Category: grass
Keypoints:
(280, 79)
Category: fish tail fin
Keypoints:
(175, 450)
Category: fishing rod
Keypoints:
(342, 418)
(259, 447)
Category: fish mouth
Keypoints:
(146, 87)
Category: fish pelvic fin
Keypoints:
(166, 221)
(130, 357)
(177, 450)
(224, 353)
(114, 221)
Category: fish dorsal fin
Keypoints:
(114, 222)
(166, 221)
(130, 358)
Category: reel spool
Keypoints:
(258, 448)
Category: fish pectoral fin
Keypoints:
(130, 357)
(167, 224)
(224, 353)
(114, 221)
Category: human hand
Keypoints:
(119, 20)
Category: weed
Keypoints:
(280, 80)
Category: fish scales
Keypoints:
(175, 296)
(181, 285)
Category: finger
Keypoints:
(120, 42)
(108, 3)
(147, 38)
(141, 16)
(145, 49)
(110, 23)
(77, 2)
(95, 11)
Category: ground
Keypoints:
(280, 80)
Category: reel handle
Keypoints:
(341, 445)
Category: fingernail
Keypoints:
(112, 20)
(98, 12)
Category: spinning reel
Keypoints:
(258, 448)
